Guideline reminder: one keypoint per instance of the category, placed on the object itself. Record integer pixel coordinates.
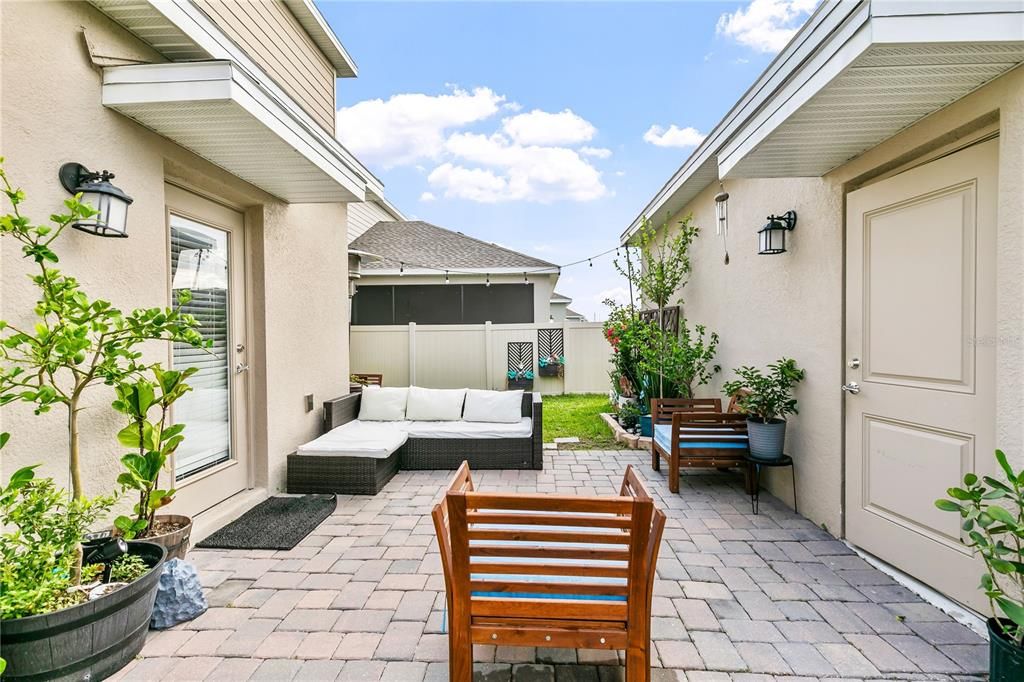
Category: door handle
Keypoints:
(853, 388)
(239, 368)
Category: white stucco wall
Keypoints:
(51, 114)
(766, 307)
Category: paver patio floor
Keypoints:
(738, 597)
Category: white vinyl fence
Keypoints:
(477, 355)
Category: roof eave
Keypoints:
(313, 22)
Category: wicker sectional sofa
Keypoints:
(357, 475)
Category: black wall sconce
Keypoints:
(771, 239)
(111, 219)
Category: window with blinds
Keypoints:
(199, 263)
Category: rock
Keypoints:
(179, 597)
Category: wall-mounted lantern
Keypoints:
(771, 239)
(111, 219)
(722, 219)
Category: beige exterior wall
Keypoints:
(766, 307)
(364, 215)
(52, 114)
(269, 33)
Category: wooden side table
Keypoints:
(758, 462)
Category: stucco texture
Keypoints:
(766, 307)
(51, 114)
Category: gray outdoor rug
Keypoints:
(276, 523)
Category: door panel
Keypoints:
(920, 292)
(207, 257)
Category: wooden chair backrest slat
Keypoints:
(536, 548)
(662, 409)
(369, 379)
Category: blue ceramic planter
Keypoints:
(645, 426)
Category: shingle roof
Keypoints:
(569, 312)
(415, 242)
(555, 296)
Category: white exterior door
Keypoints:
(207, 257)
(920, 321)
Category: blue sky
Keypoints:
(530, 124)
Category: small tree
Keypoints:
(766, 396)
(664, 268)
(153, 442)
(76, 342)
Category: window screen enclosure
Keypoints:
(443, 304)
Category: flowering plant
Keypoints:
(552, 360)
(517, 375)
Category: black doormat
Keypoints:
(276, 523)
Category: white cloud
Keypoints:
(546, 128)
(765, 25)
(427, 196)
(411, 126)
(620, 173)
(673, 136)
(618, 294)
(514, 172)
(596, 152)
(708, 56)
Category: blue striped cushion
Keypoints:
(663, 437)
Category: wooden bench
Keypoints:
(695, 433)
(543, 570)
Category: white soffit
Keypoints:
(891, 73)
(217, 111)
(152, 27)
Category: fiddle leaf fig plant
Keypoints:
(992, 513)
(75, 342)
(766, 396)
(153, 443)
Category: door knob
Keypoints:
(239, 368)
(852, 388)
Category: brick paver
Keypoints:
(738, 598)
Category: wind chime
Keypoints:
(722, 218)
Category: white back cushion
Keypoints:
(383, 404)
(503, 407)
(434, 405)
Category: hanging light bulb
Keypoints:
(446, 277)
(525, 280)
(591, 261)
(488, 279)
(401, 269)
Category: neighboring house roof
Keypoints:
(560, 298)
(572, 314)
(417, 243)
(855, 74)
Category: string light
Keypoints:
(591, 261)
(446, 277)
(488, 279)
(401, 269)
(525, 280)
(550, 270)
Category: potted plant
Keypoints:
(766, 399)
(629, 416)
(75, 345)
(551, 366)
(520, 379)
(55, 625)
(992, 513)
(153, 443)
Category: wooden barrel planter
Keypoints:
(176, 542)
(88, 641)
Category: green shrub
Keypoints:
(127, 568)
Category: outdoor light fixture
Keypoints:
(110, 202)
(722, 218)
(488, 279)
(771, 239)
(446, 281)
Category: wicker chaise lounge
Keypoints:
(541, 570)
(366, 474)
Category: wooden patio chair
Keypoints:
(689, 434)
(542, 570)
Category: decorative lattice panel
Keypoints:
(520, 356)
(550, 343)
(669, 319)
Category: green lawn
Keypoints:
(578, 415)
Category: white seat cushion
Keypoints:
(357, 438)
(383, 404)
(523, 428)
(493, 406)
(430, 404)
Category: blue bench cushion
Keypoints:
(663, 437)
